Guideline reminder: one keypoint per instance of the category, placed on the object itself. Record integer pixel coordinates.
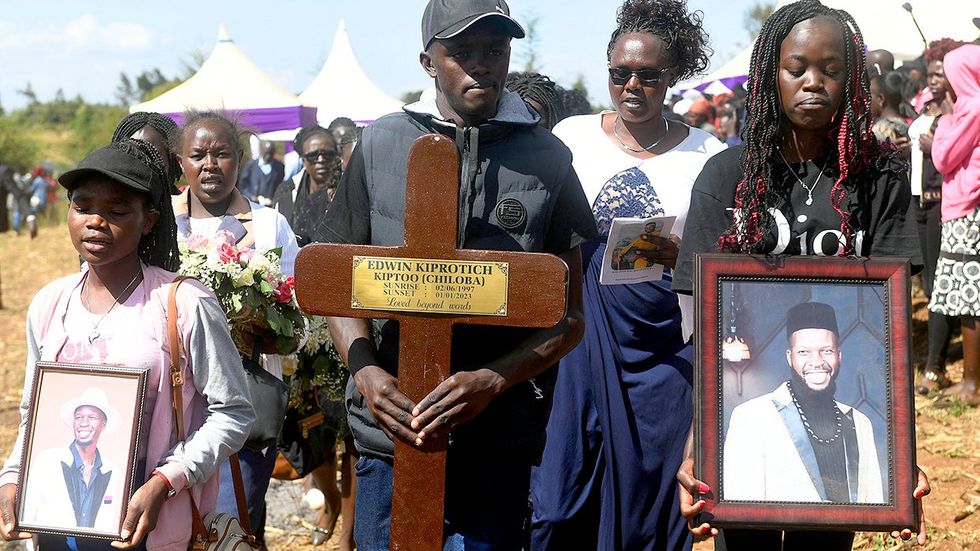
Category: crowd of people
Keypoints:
(578, 436)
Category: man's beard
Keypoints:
(810, 397)
(818, 405)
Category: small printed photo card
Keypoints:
(632, 242)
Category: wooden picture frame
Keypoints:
(73, 407)
(763, 462)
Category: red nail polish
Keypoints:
(703, 488)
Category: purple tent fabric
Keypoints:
(729, 82)
(268, 120)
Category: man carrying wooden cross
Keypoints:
(518, 192)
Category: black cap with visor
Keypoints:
(447, 18)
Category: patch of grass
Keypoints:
(958, 407)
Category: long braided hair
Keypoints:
(685, 41)
(159, 247)
(538, 87)
(856, 150)
(164, 125)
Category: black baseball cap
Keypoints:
(447, 18)
(116, 164)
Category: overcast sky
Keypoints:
(81, 47)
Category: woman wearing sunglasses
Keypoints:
(304, 198)
(622, 402)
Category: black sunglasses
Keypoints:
(312, 156)
(648, 77)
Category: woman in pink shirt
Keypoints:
(956, 153)
(121, 223)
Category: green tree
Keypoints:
(756, 14)
(28, 93)
(17, 148)
(143, 86)
(528, 52)
(125, 91)
(92, 127)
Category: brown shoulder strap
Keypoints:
(176, 377)
(199, 532)
(236, 477)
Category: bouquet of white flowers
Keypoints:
(256, 297)
(316, 365)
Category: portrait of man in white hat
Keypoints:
(75, 486)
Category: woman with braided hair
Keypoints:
(622, 399)
(113, 313)
(810, 179)
(159, 130)
(541, 93)
(303, 200)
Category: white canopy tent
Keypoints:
(343, 89)
(884, 24)
(229, 80)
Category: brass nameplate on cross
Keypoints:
(434, 286)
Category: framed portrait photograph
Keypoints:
(78, 468)
(803, 384)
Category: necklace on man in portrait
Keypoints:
(642, 149)
(94, 333)
(806, 424)
(809, 189)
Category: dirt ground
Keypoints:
(947, 438)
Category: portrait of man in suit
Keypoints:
(797, 442)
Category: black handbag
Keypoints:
(269, 398)
(303, 443)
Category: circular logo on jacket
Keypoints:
(511, 214)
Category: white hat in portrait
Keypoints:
(95, 397)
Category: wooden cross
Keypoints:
(535, 297)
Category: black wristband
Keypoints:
(360, 355)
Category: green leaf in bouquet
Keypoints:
(285, 345)
(273, 319)
(321, 370)
(285, 326)
(235, 301)
(266, 287)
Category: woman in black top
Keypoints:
(810, 179)
(304, 199)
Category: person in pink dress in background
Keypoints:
(956, 154)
